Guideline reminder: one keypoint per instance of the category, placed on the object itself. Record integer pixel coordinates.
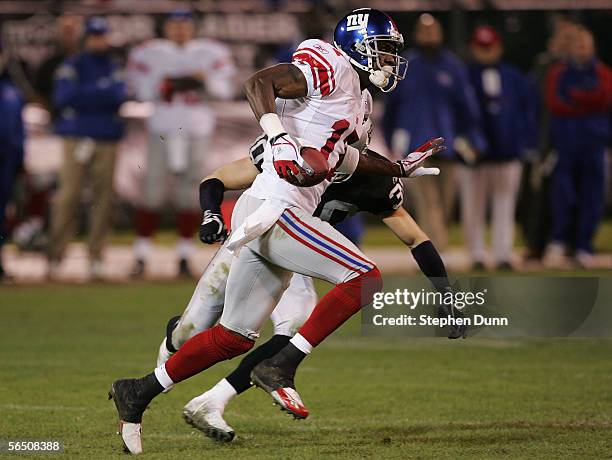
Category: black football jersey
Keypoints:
(378, 195)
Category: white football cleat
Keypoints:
(203, 414)
(131, 434)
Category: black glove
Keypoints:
(212, 228)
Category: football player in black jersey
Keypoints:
(381, 196)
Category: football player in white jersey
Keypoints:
(176, 73)
(313, 102)
(379, 196)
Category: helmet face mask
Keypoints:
(372, 43)
(373, 49)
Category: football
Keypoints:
(315, 166)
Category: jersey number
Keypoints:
(396, 194)
(339, 128)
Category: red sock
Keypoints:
(146, 222)
(205, 349)
(187, 223)
(339, 304)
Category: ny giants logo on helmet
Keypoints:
(357, 21)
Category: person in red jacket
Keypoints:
(579, 97)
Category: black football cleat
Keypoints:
(277, 381)
(130, 402)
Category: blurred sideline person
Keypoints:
(176, 73)
(88, 91)
(508, 121)
(11, 144)
(69, 33)
(579, 97)
(534, 211)
(435, 99)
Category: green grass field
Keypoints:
(61, 346)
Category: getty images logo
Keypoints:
(357, 21)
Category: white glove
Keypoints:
(421, 171)
(411, 165)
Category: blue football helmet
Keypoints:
(368, 37)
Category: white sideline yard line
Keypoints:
(118, 261)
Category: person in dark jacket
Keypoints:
(11, 144)
(434, 100)
(88, 91)
(69, 31)
(579, 97)
(508, 122)
(534, 214)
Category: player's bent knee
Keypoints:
(362, 287)
(372, 284)
(230, 343)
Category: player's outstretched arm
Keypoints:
(429, 261)
(401, 223)
(411, 166)
(237, 175)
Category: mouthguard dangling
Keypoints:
(380, 78)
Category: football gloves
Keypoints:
(411, 165)
(287, 160)
(212, 228)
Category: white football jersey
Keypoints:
(157, 59)
(329, 118)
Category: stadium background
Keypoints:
(371, 397)
(29, 31)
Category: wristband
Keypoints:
(211, 195)
(271, 125)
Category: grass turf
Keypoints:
(61, 346)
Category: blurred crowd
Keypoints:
(537, 139)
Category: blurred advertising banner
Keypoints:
(512, 306)
(32, 38)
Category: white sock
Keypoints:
(301, 343)
(184, 247)
(143, 248)
(162, 377)
(222, 393)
